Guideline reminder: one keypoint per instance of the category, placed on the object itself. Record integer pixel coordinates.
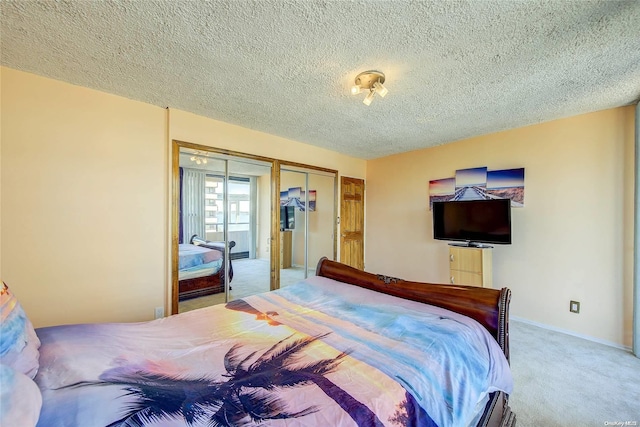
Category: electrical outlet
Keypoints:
(574, 306)
(159, 312)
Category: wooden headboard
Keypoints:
(489, 307)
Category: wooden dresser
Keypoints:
(470, 266)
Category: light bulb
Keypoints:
(355, 90)
(369, 98)
(382, 91)
(193, 158)
(204, 161)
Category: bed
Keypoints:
(201, 268)
(342, 348)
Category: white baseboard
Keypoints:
(574, 334)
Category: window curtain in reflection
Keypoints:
(180, 221)
(193, 199)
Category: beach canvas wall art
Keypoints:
(297, 197)
(480, 183)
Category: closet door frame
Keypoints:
(176, 145)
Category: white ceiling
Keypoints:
(454, 69)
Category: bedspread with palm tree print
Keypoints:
(317, 353)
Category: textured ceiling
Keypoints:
(454, 69)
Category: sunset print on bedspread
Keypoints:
(315, 353)
(248, 391)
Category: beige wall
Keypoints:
(85, 196)
(572, 240)
(1, 71)
(200, 130)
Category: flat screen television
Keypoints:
(287, 217)
(473, 221)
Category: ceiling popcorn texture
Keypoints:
(454, 69)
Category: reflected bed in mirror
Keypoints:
(201, 268)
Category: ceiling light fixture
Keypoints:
(200, 158)
(371, 80)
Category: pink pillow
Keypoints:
(19, 343)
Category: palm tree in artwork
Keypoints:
(250, 393)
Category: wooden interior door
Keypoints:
(352, 222)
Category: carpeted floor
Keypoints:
(250, 276)
(562, 380)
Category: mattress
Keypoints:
(200, 270)
(190, 256)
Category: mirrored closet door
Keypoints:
(307, 221)
(223, 209)
(249, 226)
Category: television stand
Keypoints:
(470, 265)
(285, 249)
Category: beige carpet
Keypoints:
(562, 380)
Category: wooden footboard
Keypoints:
(200, 286)
(489, 307)
(206, 285)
